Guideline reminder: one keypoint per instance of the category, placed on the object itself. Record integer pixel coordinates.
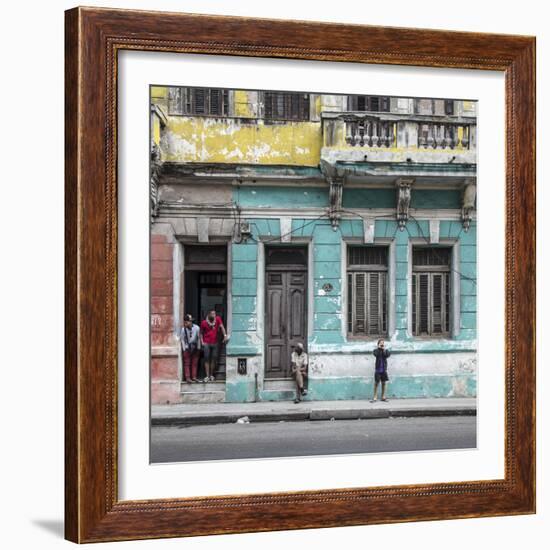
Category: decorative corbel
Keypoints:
(403, 186)
(468, 202)
(156, 164)
(335, 178)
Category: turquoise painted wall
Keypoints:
(327, 251)
(292, 197)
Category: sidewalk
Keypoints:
(271, 411)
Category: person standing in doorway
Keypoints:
(380, 369)
(298, 364)
(190, 344)
(210, 329)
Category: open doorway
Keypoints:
(205, 288)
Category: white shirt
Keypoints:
(192, 337)
(299, 360)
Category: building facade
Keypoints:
(332, 220)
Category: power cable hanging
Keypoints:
(423, 236)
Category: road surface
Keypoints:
(280, 439)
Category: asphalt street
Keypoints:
(278, 439)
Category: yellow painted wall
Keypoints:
(155, 129)
(229, 140)
(235, 139)
(243, 104)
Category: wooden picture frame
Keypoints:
(93, 511)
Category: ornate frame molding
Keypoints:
(93, 39)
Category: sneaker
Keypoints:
(297, 400)
(304, 392)
(188, 381)
(206, 379)
(212, 379)
(194, 380)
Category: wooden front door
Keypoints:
(286, 315)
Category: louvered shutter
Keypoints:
(423, 285)
(351, 294)
(215, 102)
(437, 303)
(373, 303)
(360, 302)
(268, 105)
(199, 101)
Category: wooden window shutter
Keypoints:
(431, 291)
(215, 102)
(367, 290)
(199, 101)
(360, 302)
(375, 303)
(225, 106)
(423, 300)
(437, 304)
(268, 105)
(351, 301)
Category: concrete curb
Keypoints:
(196, 419)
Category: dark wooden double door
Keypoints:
(286, 308)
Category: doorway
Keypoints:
(286, 307)
(205, 288)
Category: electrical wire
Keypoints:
(279, 238)
(435, 250)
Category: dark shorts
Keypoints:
(381, 377)
(210, 352)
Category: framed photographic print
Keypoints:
(300, 275)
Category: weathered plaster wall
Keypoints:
(238, 140)
(341, 367)
(296, 196)
(165, 383)
(246, 137)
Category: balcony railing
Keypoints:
(443, 136)
(387, 130)
(370, 132)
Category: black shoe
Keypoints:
(304, 392)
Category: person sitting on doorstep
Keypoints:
(210, 329)
(298, 364)
(190, 344)
(380, 369)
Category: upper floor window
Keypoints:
(368, 103)
(434, 107)
(286, 106)
(367, 270)
(198, 101)
(431, 291)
